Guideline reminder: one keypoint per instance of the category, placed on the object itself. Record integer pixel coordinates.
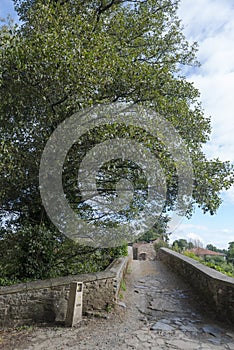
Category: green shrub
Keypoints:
(123, 285)
(218, 265)
(193, 256)
(160, 244)
(36, 252)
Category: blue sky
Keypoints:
(6, 7)
(211, 24)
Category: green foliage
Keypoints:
(28, 253)
(123, 285)
(211, 247)
(160, 244)
(221, 266)
(214, 249)
(109, 308)
(38, 253)
(214, 259)
(69, 55)
(190, 245)
(193, 256)
(148, 236)
(157, 231)
(180, 245)
(226, 268)
(121, 296)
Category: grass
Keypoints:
(121, 296)
(123, 285)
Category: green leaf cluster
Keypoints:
(69, 55)
(221, 266)
(36, 252)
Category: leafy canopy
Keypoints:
(69, 55)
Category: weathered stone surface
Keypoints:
(231, 346)
(216, 288)
(215, 347)
(160, 342)
(214, 341)
(212, 330)
(141, 287)
(132, 341)
(161, 304)
(144, 251)
(143, 336)
(122, 329)
(183, 344)
(161, 326)
(230, 334)
(188, 328)
(122, 304)
(46, 301)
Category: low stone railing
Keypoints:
(216, 288)
(45, 301)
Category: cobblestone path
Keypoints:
(158, 311)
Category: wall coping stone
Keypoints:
(216, 289)
(211, 273)
(46, 300)
(111, 271)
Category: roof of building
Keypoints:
(201, 251)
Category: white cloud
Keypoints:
(217, 96)
(194, 237)
(190, 236)
(201, 18)
(211, 23)
(205, 234)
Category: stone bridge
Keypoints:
(156, 310)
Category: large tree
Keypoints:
(70, 55)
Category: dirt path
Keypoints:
(158, 311)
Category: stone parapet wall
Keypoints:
(46, 301)
(216, 288)
(119, 268)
